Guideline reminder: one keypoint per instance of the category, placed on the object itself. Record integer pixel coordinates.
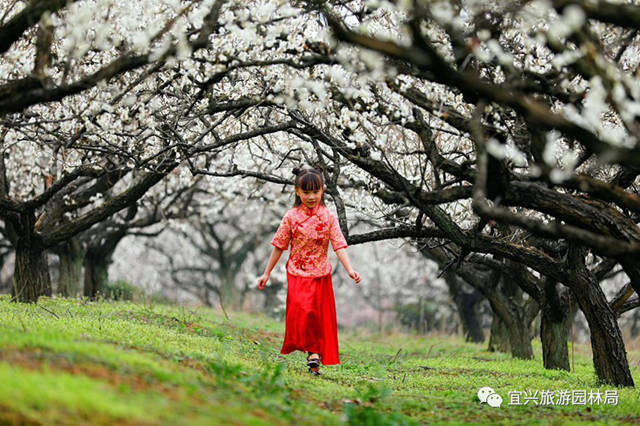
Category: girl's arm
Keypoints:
(344, 259)
(273, 260)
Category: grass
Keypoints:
(68, 361)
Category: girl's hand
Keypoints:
(355, 276)
(262, 281)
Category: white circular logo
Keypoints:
(494, 400)
(488, 395)
(484, 393)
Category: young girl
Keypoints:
(311, 311)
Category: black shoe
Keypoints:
(313, 362)
(315, 371)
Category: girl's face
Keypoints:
(310, 198)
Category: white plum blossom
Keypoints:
(571, 20)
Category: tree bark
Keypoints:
(516, 315)
(520, 338)
(471, 318)
(635, 325)
(97, 259)
(31, 277)
(554, 331)
(498, 337)
(71, 255)
(6, 284)
(558, 313)
(467, 304)
(609, 353)
(96, 275)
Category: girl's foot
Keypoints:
(315, 371)
(313, 362)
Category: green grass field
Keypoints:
(80, 362)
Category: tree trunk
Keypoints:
(519, 315)
(498, 338)
(97, 259)
(229, 292)
(71, 258)
(6, 284)
(516, 315)
(558, 313)
(96, 275)
(511, 334)
(206, 297)
(31, 277)
(421, 328)
(31, 271)
(520, 338)
(379, 301)
(467, 304)
(609, 354)
(468, 311)
(635, 329)
(520, 343)
(554, 331)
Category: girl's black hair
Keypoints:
(308, 179)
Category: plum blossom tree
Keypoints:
(505, 132)
(101, 98)
(534, 127)
(522, 114)
(172, 199)
(208, 254)
(55, 64)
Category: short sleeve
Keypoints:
(283, 234)
(335, 235)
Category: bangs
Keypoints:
(310, 182)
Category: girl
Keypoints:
(311, 312)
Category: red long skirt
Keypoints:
(311, 318)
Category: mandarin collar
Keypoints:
(306, 210)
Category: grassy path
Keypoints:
(78, 362)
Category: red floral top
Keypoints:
(309, 232)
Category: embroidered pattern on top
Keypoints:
(309, 232)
